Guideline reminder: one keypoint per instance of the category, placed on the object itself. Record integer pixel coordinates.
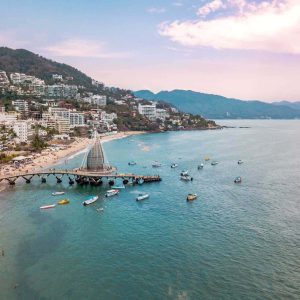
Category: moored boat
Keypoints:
(240, 162)
(63, 201)
(91, 200)
(156, 164)
(214, 163)
(200, 166)
(186, 178)
(48, 206)
(58, 193)
(174, 166)
(191, 197)
(141, 197)
(238, 179)
(184, 173)
(132, 163)
(111, 193)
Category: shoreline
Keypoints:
(50, 158)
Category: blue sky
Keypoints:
(237, 48)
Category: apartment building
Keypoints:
(21, 106)
(149, 111)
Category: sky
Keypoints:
(243, 49)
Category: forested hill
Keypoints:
(219, 107)
(24, 61)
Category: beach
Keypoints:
(52, 156)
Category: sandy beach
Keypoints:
(50, 157)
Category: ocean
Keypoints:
(236, 241)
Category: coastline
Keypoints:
(50, 158)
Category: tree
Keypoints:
(37, 143)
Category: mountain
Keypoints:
(294, 105)
(24, 61)
(219, 107)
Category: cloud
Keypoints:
(156, 10)
(83, 48)
(269, 26)
(210, 7)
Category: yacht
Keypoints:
(58, 193)
(184, 173)
(214, 163)
(156, 164)
(240, 162)
(141, 197)
(238, 179)
(191, 197)
(132, 163)
(174, 166)
(186, 178)
(90, 200)
(200, 166)
(111, 193)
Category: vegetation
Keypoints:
(4, 158)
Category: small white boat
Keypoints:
(200, 166)
(48, 206)
(238, 179)
(58, 193)
(240, 162)
(111, 193)
(186, 178)
(156, 164)
(91, 200)
(132, 163)
(174, 166)
(100, 209)
(141, 197)
(214, 163)
(184, 173)
(118, 187)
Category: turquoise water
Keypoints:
(234, 242)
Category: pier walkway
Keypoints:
(81, 177)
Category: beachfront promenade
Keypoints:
(80, 177)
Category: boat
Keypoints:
(63, 201)
(156, 164)
(238, 179)
(186, 178)
(120, 187)
(100, 209)
(184, 173)
(132, 163)
(48, 206)
(174, 166)
(58, 193)
(141, 197)
(200, 166)
(191, 197)
(91, 200)
(214, 163)
(111, 193)
(240, 162)
(206, 158)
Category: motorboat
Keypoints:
(238, 179)
(240, 162)
(191, 197)
(186, 178)
(91, 200)
(111, 193)
(214, 163)
(132, 163)
(174, 166)
(200, 166)
(63, 202)
(100, 209)
(184, 173)
(58, 193)
(119, 187)
(48, 206)
(141, 197)
(156, 164)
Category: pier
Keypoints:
(81, 177)
(93, 171)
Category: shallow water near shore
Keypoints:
(237, 241)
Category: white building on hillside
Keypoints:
(99, 100)
(22, 130)
(20, 105)
(149, 111)
(74, 118)
(162, 114)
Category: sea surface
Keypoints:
(237, 241)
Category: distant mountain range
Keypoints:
(219, 107)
